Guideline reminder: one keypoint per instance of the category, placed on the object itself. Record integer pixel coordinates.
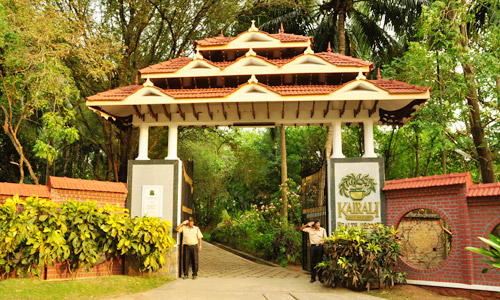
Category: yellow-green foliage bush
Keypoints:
(36, 232)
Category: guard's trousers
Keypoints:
(190, 257)
(316, 258)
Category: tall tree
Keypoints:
(457, 57)
(35, 87)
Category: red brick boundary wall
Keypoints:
(470, 210)
(61, 189)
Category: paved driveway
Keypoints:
(225, 276)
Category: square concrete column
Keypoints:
(143, 142)
(337, 139)
(369, 142)
(172, 141)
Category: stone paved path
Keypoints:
(225, 276)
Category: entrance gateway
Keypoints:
(258, 79)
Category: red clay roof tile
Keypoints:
(291, 90)
(398, 87)
(24, 190)
(484, 190)
(223, 40)
(428, 181)
(87, 185)
(343, 60)
(168, 66)
(172, 66)
(117, 94)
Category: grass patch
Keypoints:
(34, 289)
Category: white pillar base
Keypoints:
(143, 142)
(172, 141)
(369, 142)
(337, 140)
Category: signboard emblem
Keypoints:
(357, 186)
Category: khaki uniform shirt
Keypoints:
(316, 236)
(191, 235)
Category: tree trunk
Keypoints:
(341, 29)
(284, 174)
(328, 153)
(477, 130)
(417, 162)
(19, 148)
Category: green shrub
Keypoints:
(36, 232)
(493, 253)
(359, 258)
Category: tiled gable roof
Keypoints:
(398, 87)
(484, 190)
(173, 65)
(343, 60)
(88, 185)
(428, 181)
(117, 94)
(223, 40)
(168, 66)
(24, 190)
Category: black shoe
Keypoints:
(194, 276)
(322, 281)
(312, 280)
(185, 277)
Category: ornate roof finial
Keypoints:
(250, 53)
(222, 33)
(148, 82)
(136, 82)
(198, 55)
(253, 79)
(282, 30)
(309, 50)
(329, 49)
(360, 75)
(378, 74)
(182, 53)
(253, 28)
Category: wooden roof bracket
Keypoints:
(312, 110)
(268, 110)
(238, 110)
(183, 115)
(358, 109)
(298, 109)
(195, 114)
(210, 114)
(138, 113)
(372, 110)
(283, 110)
(224, 111)
(327, 109)
(342, 111)
(152, 113)
(253, 111)
(167, 114)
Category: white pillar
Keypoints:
(337, 139)
(172, 142)
(369, 143)
(143, 142)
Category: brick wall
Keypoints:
(102, 198)
(61, 189)
(60, 271)
(484, 214)
(468, 218)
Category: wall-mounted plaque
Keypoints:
(355, 186)
(152, 200)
